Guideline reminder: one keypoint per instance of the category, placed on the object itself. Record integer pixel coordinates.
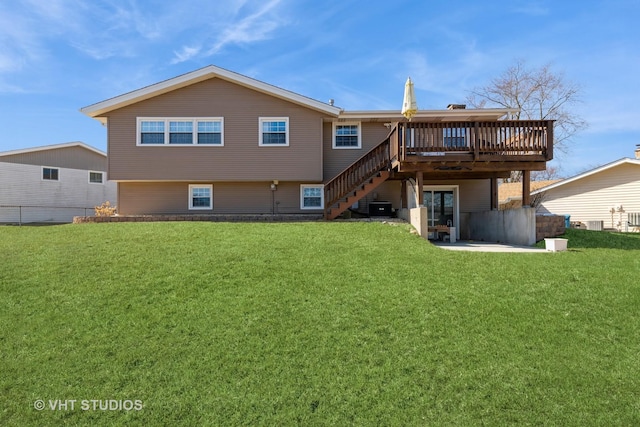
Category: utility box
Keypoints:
(380, 209)
(595, 225)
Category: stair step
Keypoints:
(357, 194)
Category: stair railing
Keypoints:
(375, 160)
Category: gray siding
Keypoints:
(240, 159)
(65, 157)
(136, 198)
(49, 201)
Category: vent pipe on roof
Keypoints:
(456, 106)
(331, 101)
(638, 151)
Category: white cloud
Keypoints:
(185, 54)
(230, 25)
(19, 43)
(252, 28)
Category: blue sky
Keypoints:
(57, 56)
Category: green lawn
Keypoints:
(313, 324)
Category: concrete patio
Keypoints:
(486, 247)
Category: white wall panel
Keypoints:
(49, 201)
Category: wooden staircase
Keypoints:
(359, 179)
(357, 194)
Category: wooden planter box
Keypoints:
(555, 244)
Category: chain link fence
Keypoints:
(20, 214)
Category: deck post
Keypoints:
(419, 185)
(403, 194)
(476, 141)
(526, 188)
(550, 137)
(494, 194)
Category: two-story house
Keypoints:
(214, 141)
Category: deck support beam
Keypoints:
(526, 188)
(403, 194)
(494, 194)
(419, 185)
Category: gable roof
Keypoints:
(97, 110)
(53, 147)
(624, 160)
(513, 190)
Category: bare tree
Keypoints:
(538, 94)
(551, 172)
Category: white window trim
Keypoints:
(95, 183)
(302, 206)
(261, 120)
(333, 138)
(166, 121)
(49, 180)
(200, 208)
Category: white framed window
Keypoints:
(273, 131)
(311, 196)
(50, 174)
(347, 135)
(200, 196)
(96, 177)
(180, 131)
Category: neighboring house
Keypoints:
(591, 196)
(510, 193)
(53, 183)
(216, 142)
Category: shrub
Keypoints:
(106, 209)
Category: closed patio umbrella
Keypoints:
(409, 104)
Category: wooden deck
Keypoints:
(446, 150)
(472, 146)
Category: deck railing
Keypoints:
(415, 141)
(508, 137)
(359, 172)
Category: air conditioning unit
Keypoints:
(595, 225)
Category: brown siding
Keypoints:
(137, 198)
(65, 157)
(336, 160)
(388, 191)
(474, 194)
(153, 198)
(240, 159)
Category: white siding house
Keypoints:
(53, 183)
(591, 196)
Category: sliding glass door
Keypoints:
(442, 205)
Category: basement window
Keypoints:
(200, 196)
(312, 196)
